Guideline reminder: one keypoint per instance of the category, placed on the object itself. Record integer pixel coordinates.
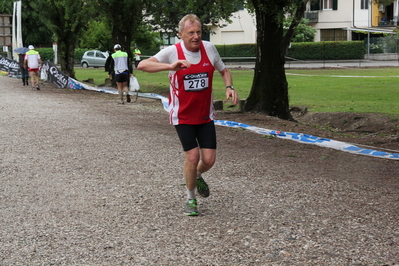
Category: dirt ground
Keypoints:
(368, 129)
(377, 130)
(85, 181)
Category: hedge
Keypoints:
(46, 54)
(237, 50)
(327, 50)
(303, 51)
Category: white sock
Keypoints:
(199, 174)
(190, 194)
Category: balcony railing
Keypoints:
(383, 21)
(312, 16)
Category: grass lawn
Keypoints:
(326, 90)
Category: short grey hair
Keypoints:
(190, 17)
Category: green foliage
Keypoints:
(97, 36)
(385, 2)
(304, 51)
(34, 31)
(6, 7)
(237, 50)
(384, 44)
(303, 32)
(46, 54)
(123, 18)
(166, 14)
(67, 19)
(147, 40)
(327, 50)
(149, 51)
(79, 53)
(376, 48)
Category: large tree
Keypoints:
(124, 17)
(66, 19)
(269, 93)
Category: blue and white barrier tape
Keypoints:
(298, 137)
(309, 139)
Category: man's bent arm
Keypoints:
(152, 65)
(228, 81)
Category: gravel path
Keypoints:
(85, 181)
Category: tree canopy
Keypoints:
(34, 31)
(164, 15)
(66, 19)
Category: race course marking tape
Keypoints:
(298, 137)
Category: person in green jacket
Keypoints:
(137, 54)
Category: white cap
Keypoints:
(117, 46)
(31, 47)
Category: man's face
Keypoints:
(191, 35)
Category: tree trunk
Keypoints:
(269, 92)
(124, 38)
(67, 55)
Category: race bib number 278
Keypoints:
(196, 82)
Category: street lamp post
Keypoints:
(368, 29)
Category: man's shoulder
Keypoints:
(207, 44)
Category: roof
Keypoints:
(373, 30)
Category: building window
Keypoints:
(167, 39)
(327, 4)
(333, 35)
(364, 4)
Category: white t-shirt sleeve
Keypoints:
(169, 55)
(214, 56)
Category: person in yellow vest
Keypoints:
(122, 71)
(33, 62)
(137, 54)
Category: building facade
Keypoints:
(5, 32)
(346, 20)
(334, 20)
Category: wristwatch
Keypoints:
(231, 87)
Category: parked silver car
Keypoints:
(94, 58)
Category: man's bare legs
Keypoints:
(34, 79)
(197, 161)
(122, 87)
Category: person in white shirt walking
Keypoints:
(33, 62)
(122, 71)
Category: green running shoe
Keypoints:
(202, 187)
(191, 208)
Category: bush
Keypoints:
(79, 53)
(147, 51)
(46, 54)
(303, 50)
(376, 48)
(327, 50)
(237, 50)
